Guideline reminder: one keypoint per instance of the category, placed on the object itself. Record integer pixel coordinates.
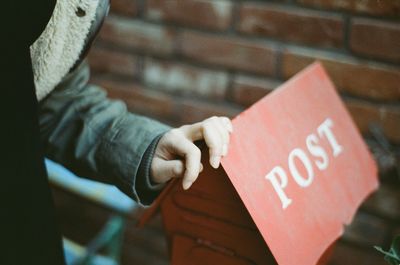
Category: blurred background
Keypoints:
(183, 61)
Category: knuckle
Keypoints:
(177, 170)
(176, 132)
(212, 118)
(183, 128)
(226, 120)
(196, 152)
(206, 123)
(193, 153)
(213, 146)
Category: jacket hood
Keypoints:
(59, 46)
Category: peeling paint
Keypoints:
(154, 13)
(222, 8)
(185, 79)
(362, 5)
(342, 3)
(139, 27)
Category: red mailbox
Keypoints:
(209, 224)
(296, 171)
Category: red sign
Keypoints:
(300, 166)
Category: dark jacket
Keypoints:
(98, 138)
(29, 234)
(79, 127)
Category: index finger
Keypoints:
(192, 156)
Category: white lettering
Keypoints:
(325, 129)
(317, 151)
(304, 178)
(303, 182)
(279, 185)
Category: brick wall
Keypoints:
(182, 61)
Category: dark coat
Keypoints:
(80, 128)
(98, 138)
(29, 234)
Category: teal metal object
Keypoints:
(100, 193)
(109, 239)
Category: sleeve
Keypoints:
(98, 138)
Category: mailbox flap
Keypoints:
(300, 166)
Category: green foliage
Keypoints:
(393, 255)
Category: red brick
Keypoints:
(356, 77)
(299, 25)
(376, 39)
(388, 117)
(185, 79)
(191, 111)
(125, 7)
(140, 100)
(385, 202)
(371, 7)
(138, 35)
(198, 13)
(227, 52)
(103, 61)
(345, 254)
(247, 90)
(366, 230)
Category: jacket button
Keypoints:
(80, 12)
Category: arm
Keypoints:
(98, 138)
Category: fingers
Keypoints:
(192, 168)
(192, 156)
(224, 135)
(216, 135)
(212, 137)
(227, 123)
(179, 142)
(166, 169)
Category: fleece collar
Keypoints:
(57, 49)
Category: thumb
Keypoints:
(164, 170)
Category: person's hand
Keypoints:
(177, 156)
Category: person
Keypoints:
(49, 108)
